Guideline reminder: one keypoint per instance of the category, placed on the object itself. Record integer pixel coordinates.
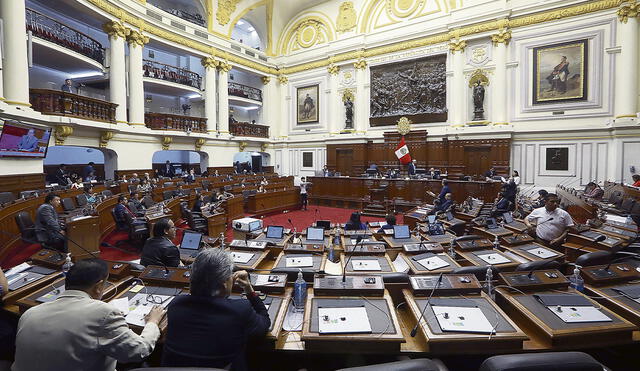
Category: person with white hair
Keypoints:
(207, 328)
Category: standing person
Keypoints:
(550, 223)
(443, 192)
(68, 86)
(354, 223)
(411, 169)
(167, 169)
(87, 170)
(8, 326)
(48, 229)
(490, 173)
(636, 180)
(62, 176)
(303, 191)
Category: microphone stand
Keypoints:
(414, 331)
(344, 269)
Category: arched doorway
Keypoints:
(181, 160)
(252, 161)
(105, 161)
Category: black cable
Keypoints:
(414, 331)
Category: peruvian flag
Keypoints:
(402, 152)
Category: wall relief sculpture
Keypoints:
(415, 89)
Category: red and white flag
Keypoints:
(402, 152)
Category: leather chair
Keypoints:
(107, 193)
(421, 364)
(67, 204)
(138, 233)
(176, 369)
(538, 265)
(115, 220)
(26, 227)
(6, 198)
(180, 183)
(479, 272)
(198, 224)
(168, 184)
(166, 195)
(132, 187)
(557, 361)
(147, 201)
(81, 200)
(594, 258)
(396, 277)
(206, 184)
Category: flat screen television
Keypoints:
(20, 140)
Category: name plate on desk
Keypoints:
(479, 244)
(517, 239)
(367, 248)
(169, 276)
(535, 280)
(450, 284)
(412, 248)
(370, 285)
(304, 247)
(269, 283)
(604, 274)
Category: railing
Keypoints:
(193, 18)
(245, 129)
(60, 103)
(244, 91)
(166, 121)
(51, 30)
(175, 74)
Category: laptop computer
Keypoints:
(491, 223)
(315, 234)
(190, 244)
(275, 232)
(431, 219)
(401, 232)
(326, 224)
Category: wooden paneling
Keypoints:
(21, 182)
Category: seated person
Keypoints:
(78, 331)
(88, 193)
(77, 184)
(191, 177)
(220, 196)
(443, 205)
(159, 249)
(261, 189)
(179, 192)
(135, 205)
(120, 210)
(8, 326)
(144, 185)
(636, 180)
(197, 322)
(198, 204)
(595, 193)
(489, 174)
(354, 223)
(134, 178)
(552, 224)
(391, 221)
(539, 202)
(264, 181)
(501, 205)
(48, 230)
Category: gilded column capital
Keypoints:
(502, 37)
(283, 80)
(266, 80)
(628, 10)
(361, 64)
(115, 29)
(333, 69)
(136, 37)
(209, 62)
(224, 66)
(457, 46)
(61, 133)
(199, 143)
(166, 142)
(242, 146)
(105, 137)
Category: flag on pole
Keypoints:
(402, 152)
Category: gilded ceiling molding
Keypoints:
(115, 29)
(266, 80)
(136, 38)
(225, 9)
(457, 46)
(264, 146)
(283, 80)
(224, 66)
(347, 17)
(306, 32)
(333, 69)
(502, 37)
(61, 133)
(269, 12)
(360, 64)
(105, 137)
(628, 11)
(209, 62)
(242, 146)
(166, 142)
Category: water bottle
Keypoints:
(629, 220)
(331, 254)
(67, 264)
(452, 250)
(489, 283)
(496, 243)
(576, 281)
(299, 293)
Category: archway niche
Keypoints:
(181, 160)
(77, 158)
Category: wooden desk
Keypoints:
(617, 302)
(234, 208)
(579, 209)
(383, 260)
(256, 259)
(84, 231)
(216, 223)
(263, 203)
(417, 268)
(526, 252)
(472, 257)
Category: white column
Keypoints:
(16, 69)
(627, 64)
(499, 83)
(458, 93)
(117, 70)
(286, 106)
(269, 103)
(223, 98)
(136, 86)
(361, 119)
(210, 93)
(336, 112)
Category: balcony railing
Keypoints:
(193, 18)
(245, 91)
(51, 30)
(175, 74)
(60, 103)
(245, 129)
(167, 121)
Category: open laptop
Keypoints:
(275, 232)
(326, 224)
(401, 232)
(449, 216)
(190, 244)
(491, 223)
(315, 234)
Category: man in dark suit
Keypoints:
(490, 173)
(135, 205)
(411, 169)
(207, 328)
(62, 176)
(48, 230)
(159, 249)
(167, 170)
(121, 210)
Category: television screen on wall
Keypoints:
(21, 140)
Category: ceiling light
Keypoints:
(240, 22)
(86, 74)
(251, 29)
(194, 96)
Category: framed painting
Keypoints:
(560, 72)
(557, 158)
(307, 104)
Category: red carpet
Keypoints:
(300, 219)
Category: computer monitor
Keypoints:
(401, 231)
(326, 224)
(315, 234)
(508, 218)
(372, 172)
(191, 240)
(491, 223)
(275, 231)
(431, 219)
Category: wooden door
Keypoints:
(477, 160)
(344, 161)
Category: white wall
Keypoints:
(73, 155)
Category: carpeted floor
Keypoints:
(300, 219)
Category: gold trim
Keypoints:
(457, 46)
(166, 142)
(61, 133)
(105, 137)
(502, 37)
(269, 12)
(2, 98)
(501, 123)
(136, 124)
(322, 26)
(17, 103)
(626, 116)
(478, 123)
(122, 122)
(457, 125)
(225, 9)
(628, 11)
(232, 25)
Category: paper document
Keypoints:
(343, 320)
(462, 319)
(571, 314)
(122, 304)
(17, 269)
(241, 257)
(15, 278)
(542, 252)
(493, 258)
(141, 304)
(299, 262)
(433, 262)
(365, 265)
(400, 264)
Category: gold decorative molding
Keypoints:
(347, 94)
(199, 143)
(333, 69)
(136, 38)
(61, 133)
(403, 125)
(115, 29)
(361, 64)
(224, 66)
(264, 146)
(457, 46)
(628, 11)
(225, 9)
(209, 62)
(283, 80)
(502, 37)
(266, 80)
(166, 142)
(347, 17)
(478, 75)
(105, 137)
(242, 146)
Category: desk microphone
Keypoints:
(620, 259)
(600, 238)
(414, 331)
(315, 218)
(344, 269)
(295, 232)
(421, 246)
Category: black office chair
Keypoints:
(395, 277)
(177, 369)
(107, 193)
(538, 265)
(168, 184)
(132, 187)
(119, 226)
(67, 204)
(594, 258)
(478, 271)
(206, 184)
(81, 200)
(28, 194)
(138, 233)
(166, 195)
(556, 361)
(26, 227)
(421, 364)
(147, 201)
(180, 183)
(6, 198)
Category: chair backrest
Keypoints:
(107, 193)
(538, 265)
(594, 258)
(205, 184)
(180, 184)
(81, 199)
(627, 204)
(67, 204)
(557, 361)
(167, 195)
(132, 187)
(27, 194)
(479, 272)
(25, 225)
(6, 197)
(168, 184)
(147, 201)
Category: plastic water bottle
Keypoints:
(299, 293)
(629, 220)
(496, 243)
(331, 254)
(452, 250)
(489, 285)
(67, 264)
(576, 281)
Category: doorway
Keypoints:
(477, 160)
(344, 161)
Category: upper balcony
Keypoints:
(47, 28)
(194, 18)
(170, 80)
(60, 103)
(244, 91)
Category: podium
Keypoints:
(85, 231)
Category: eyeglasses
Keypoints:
(156, 299)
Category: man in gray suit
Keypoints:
(48, 230)
(28, 142)
(79, 332)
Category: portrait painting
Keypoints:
(560, 72)
(557, 158)
(307, 104)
